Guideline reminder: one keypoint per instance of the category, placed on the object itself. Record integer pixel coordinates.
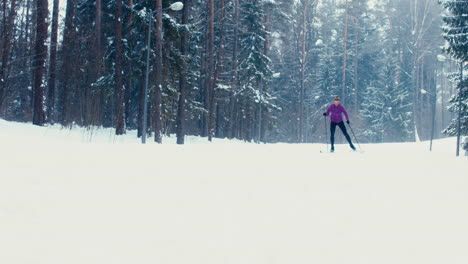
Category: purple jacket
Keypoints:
(336, 112)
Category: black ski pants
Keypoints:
(343, 129)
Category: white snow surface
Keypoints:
(67, 197)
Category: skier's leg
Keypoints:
(345, 133)
(332, 135)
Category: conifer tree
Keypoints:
(456, 34)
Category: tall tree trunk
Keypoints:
(98, 95)
(31, 45)
(356, 65)
(52, 64)
(442, 99)
(204, 84)
(159, 64)
(3, 23)
(8, 26)
(22, 39)
(211, 89)
(416, 71)
(420, 103)
(263, 84)
(4, 19)
(66, 72)
(141, 106)
(39, 62)
(219, 63)
(182, 78)
(24, 94)
(235, 73)
(345, 54)
(305, 4)
(166, 72)
(129, 69)
(118, 70)
(93, 95)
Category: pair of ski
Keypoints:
(352, 131)
(331, 152)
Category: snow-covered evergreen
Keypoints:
(456, 35)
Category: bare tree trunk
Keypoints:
(98, 96)
(21, 40)
(165, 82)
(68, 40)
(263, 85)
(182, 79)
(345, 54)
(32, 40)
(118, 71)
(420, 103)
(356, 66)
(52, 64)
(205, 90)
(305, 4)
(93, 102)
(4, 19)
(39, 62)
(442, 94)
(159, 64)
(211, 107)
(7, 36)
(129, 69)
(24, 95)
(416, 72)
(235, 73)
(3, 24)
(219, 65)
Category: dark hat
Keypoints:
(337, 98)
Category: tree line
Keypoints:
(254, 70)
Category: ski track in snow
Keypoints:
(68, 196)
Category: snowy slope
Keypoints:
(70, 196)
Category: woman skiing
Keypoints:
(335, 112)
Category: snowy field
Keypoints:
(87, 197)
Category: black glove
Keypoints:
(347, 122)
(324, 114)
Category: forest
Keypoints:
(253, 70)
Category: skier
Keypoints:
(335, 112)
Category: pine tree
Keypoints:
(254, 65)
(456, 28)
(452, 129)
(328, 68)
(386, 108)
(456, 34)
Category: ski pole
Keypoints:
(354, 135)
(326, 132)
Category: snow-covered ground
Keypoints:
(75, 196)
